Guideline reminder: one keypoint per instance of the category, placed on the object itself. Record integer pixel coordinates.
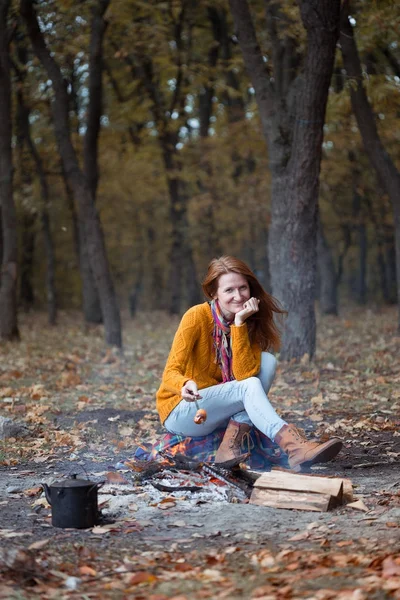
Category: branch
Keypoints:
(392, 60)
(114, 84)
(253, 59)
(155, 94)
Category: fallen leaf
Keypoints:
(344, 543)
(126, 431)
(391, 567)
(39, 544)
(179, 524)
(319, 400)
(298, 537)
(40, 502)
(316, 417)
(113, 477)
(33, 491)
(105, 528)
(85, 570)
(14, 534)
(166, 505)
(142, 577)
(212, 575)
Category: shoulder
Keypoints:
(197, 314)
(200, 310)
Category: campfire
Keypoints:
(174, 477)
(170, 479)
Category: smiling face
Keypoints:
(232, 292)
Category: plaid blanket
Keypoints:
(263, 452)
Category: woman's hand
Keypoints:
(189, 392)
(249, 308)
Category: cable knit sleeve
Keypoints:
(184, 341)
(246, 358)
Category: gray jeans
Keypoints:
(244, 401)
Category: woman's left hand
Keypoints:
(249, 308)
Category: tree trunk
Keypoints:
(179, 233)
(82, 193)
(386, 263)
(91, 305)
(385, 168)
(8, 283)
(94, 111)
(292, 113)
(90, 297)
(135, 292)
(390, 266)
(24, 136)
(328, 284)
(1, 242)
(361, 234)
(28, 216)
(51, 267)
(184, 287)
(28, 235)
(361, 284)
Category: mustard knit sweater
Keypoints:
(192, 356)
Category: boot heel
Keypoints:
(229, 453)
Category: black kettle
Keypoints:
(73, 502)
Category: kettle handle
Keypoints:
(96, 485)
(47, 492)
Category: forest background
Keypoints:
(132, 152)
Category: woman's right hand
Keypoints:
(189, 392)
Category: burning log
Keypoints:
(175, 488)
(241, 489)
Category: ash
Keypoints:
(187, 489)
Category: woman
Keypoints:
(221, 349)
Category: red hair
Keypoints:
(262, 327)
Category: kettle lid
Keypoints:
(72, 482)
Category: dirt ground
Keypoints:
(86, 411)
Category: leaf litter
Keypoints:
(87, 409)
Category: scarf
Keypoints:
(222, 341)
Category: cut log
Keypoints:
(347, 491)
(279, 480)
(292, 500)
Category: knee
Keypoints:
(268, 363)
(252, 384)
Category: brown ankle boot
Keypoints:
(229, 452)
(301, 452)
